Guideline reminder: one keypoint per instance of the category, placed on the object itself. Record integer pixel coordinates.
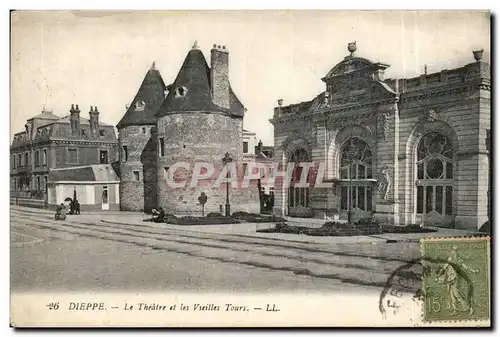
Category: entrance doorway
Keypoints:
(435, 180)
(105, 198)
(298, 196)
(356, 180)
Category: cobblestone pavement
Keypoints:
(85, 253)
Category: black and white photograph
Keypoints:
(250, 168)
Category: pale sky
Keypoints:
(99, 58)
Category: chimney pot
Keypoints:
(75, 120)
(91, 108)
(219, 77)
(223, 47)
(94, 121)
(215, 46)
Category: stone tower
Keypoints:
(200, 120)
(137, 139)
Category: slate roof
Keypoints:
(102, 172)
(194, 76)
(152, 93)
(49, 115)
(237, 107)
(83, 121)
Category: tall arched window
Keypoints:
(435, 175)
(298, 196)
(356, 176)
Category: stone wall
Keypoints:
(201, 137)
(141, 143)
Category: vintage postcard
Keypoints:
(250, 169)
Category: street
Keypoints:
(86, 254)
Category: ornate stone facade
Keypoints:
(393, 118)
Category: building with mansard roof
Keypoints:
(197, 118)
(410, 151)
(52, 142)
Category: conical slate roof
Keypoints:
(191, 90)
(237, 107)
(148, 99)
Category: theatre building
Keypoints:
(410, 151)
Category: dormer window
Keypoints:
(140, 105)
(180, 92)
(102, 133)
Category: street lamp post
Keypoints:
(351, 152)
(226, 160)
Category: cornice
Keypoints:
(431, 92)
(84, 142)
(328, 110)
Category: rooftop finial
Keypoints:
(351, 47)
(195, 45)
(478, 54)
(153, 65)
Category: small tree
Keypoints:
(202, 199)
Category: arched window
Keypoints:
(356, 176)
(435, 175)
(298, 196)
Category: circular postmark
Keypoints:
(406, 279)
(431, 281)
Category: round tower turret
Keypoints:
(200, 120)
(137, 140)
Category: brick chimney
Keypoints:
(219, 75)
(94, 121)
(75, 120)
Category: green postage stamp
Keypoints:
(456, 279)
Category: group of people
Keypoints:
(61, 210)
(74, 207)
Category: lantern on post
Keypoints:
(226, 160)
(351, 153)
